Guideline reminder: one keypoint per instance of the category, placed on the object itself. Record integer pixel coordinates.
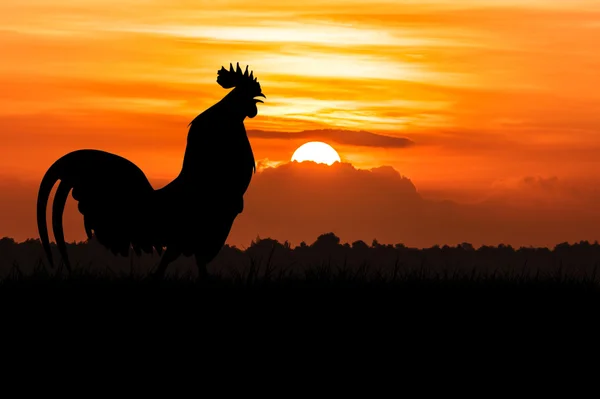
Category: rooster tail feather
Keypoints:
(58, 207)
(52, 176)
(48, 182)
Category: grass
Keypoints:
(329, 305)
(325, 291)
(321, 278)
(413, 301)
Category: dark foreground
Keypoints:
(318, 292)
(302, 305)
(326, 291)
(309, 317)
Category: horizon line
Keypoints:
(342, 244)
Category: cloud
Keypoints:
(380, 203)
(358, 138)
(550, 192)
(262, 164)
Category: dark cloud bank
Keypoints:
(298, 202)
(349, 137)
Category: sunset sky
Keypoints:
(499, 102)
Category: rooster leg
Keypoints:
(169, 256)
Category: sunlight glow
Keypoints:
(284, 33)
(316, 151)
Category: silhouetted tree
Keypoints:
(326, 241)
(467, 246)
(360, 245)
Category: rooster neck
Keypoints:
(216, 144)
(225, 111)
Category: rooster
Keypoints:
(192, 215)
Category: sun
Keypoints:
(316, 151)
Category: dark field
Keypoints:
(325, 278)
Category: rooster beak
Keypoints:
(260, 95)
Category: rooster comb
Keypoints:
(235, 77)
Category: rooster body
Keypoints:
(192, 215)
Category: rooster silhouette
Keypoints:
(192, 215)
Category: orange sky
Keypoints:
(490, 95)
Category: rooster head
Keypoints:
(246, 88)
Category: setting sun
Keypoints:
(316, 151)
